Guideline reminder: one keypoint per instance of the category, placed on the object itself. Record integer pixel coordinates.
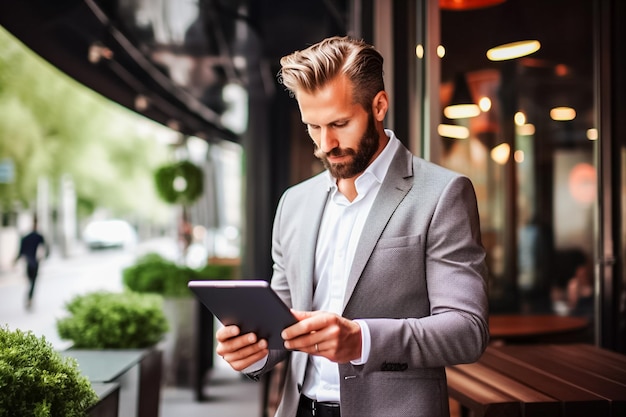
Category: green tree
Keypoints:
(52, 126)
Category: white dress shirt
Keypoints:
(340, 231)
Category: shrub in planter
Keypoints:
(215, 271)
(108, 320)
(36, 381)
(155, 274)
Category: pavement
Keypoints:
(227, 392)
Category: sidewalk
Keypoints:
(12, 276)
(228, 393)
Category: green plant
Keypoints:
(151, 274)
(101, 319)
(154, 274)
(179, 183)
(36, 381)
(215, 271)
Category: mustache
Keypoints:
(335, 152)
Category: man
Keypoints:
(379, 256)
(30, 246)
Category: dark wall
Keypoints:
(273, 144)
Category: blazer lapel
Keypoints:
(310, 225)
(394, 188)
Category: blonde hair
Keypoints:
(313, 67)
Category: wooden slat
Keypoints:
(574, 380)
(534, 403)
(481, 398)
(582, 372)
(594, 360)
(576, 401)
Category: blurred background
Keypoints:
(98, 95)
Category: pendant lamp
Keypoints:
(511, 30)
(462, 105)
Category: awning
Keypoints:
(132, 54)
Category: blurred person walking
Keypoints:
(33, 248)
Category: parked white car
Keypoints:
(112, 233)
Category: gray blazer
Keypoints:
(418, 279)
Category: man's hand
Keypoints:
(240, 351)
(324, 334)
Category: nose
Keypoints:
(328, 140)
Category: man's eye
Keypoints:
(340, 124)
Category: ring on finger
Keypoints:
(317, 348)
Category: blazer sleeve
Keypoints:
(456, 330)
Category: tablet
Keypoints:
(252, 305)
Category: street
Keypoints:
(59, 280)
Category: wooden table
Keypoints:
(531, 328)
(567, 380)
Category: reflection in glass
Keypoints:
(534, 173)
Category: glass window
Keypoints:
(527, 141)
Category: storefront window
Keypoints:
(528, 144)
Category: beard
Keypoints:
(361, 157)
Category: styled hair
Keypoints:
(312, 68)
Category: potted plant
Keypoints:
(114, 339)
(108, 320)
(180, 182)
(36, 381)
(152, 273)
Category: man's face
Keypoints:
(344, 133)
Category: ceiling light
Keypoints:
(419, 51)
(453, 131)
(562, 114)
(467, 4)
(461, 111)
(511, 33)
(98, 51)
(513, 50)
(484, 104)
(500, 154)
(462, 105)
(141, 102)
(592, 134)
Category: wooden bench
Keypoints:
(541, 380)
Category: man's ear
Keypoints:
(380, 105)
